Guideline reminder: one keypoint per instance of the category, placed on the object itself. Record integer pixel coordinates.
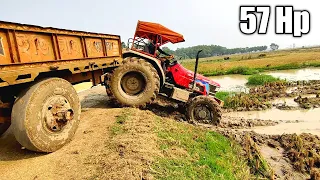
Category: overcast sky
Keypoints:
(201, 21)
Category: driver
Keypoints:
(152, 49)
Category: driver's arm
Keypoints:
(162, 52)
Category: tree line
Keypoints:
(211, 50)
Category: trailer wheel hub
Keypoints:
(57, 112)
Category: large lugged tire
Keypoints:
(46, 116)
(203, 109)
(135, 83)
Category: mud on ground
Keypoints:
(165, 108)
(287, 156)
(260, 97)
(308, 102)
(95, 154)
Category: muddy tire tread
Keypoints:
(217, 114)
(127, 63)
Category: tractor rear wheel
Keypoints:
(135, 83)
(203, 109)
(46, 116)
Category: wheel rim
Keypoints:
(202, 114)
(133, 83)
(57, 113)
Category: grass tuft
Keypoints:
(261, 79)
(118, 128)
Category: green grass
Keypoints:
(261, 79)
(194, 153)
(117, 128)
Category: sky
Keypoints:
(202, 22)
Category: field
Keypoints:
(254, 63)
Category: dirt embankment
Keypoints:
(80, 159)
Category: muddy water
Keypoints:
(298, 75)
(311, 115)
(238, 82)
(232, 82)
(307, 120)
(290, 101)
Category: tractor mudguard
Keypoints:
(155, 62)
(220, 102)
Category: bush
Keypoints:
(261, 79)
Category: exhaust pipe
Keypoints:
(195, 70)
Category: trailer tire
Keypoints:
(204, 109)
(4, 127)
(135, 83)
(46, 116)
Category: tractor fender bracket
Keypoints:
(180, 94)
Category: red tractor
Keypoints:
(145, 74)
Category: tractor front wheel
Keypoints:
(203, 109)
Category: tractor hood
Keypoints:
(185, 72)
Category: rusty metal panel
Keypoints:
(180, 94)
(94, 47)
(5, 57)
(33, 28)
(34, 47)
(27, 51)
(112, 47)
(70, 47)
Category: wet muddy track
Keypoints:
(96, 106)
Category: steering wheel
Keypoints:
(164, 58)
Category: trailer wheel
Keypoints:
(4, 127)
(203, 109)
(135, 83)
(46, 116)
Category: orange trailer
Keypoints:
(37, 69)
